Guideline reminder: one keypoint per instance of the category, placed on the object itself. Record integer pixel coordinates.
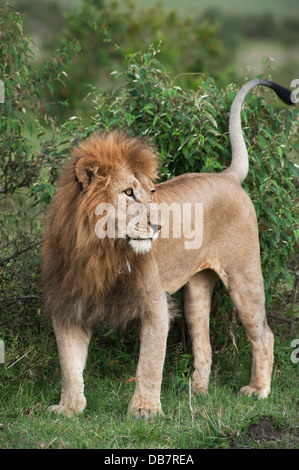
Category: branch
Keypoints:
(23, 297)
(18, 253)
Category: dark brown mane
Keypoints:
(85, 278)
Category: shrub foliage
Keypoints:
(190, 132)
(188, 128)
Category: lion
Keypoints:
(91, 275)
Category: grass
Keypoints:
(221, 419)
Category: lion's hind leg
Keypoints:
(197, 305)
(72, 342)
(247, 292)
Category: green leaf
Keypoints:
(51, 88)
(142, 74)
(38, 187)
(271, 213)
(147, 58)
(128, 118)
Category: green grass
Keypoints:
(221, 419)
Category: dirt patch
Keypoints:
(268, 430)
(265, 430)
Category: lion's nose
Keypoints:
(155, 227)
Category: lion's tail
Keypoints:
(239, 164)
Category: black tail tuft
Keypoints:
(284, 93)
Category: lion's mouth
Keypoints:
(152, 238)
(139, 239)
(140, 245)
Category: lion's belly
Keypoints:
(176, 264)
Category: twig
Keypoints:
(283, 319)
(58, 435)
(231, 333)
(22, 297)
(187, 73)
(190, 405)
(19, 359)
(17, 253)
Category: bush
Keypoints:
(188, 128)
(29, 141)
(24, 116)
(189, 45)
(190, 132)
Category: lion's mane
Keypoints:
(86, 279)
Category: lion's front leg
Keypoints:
(153, 337)
(72, 342)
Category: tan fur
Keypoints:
(87, 279)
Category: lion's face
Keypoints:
(133, 210)
(121, 199)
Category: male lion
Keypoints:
(89, 278)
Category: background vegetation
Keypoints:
(101, 66)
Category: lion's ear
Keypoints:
(85, 169)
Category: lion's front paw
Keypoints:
(142, 409)
(67, 410)
(199, 390)
(60, 410)
(259, 392)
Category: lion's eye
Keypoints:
(153, 191)
(129, 192)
